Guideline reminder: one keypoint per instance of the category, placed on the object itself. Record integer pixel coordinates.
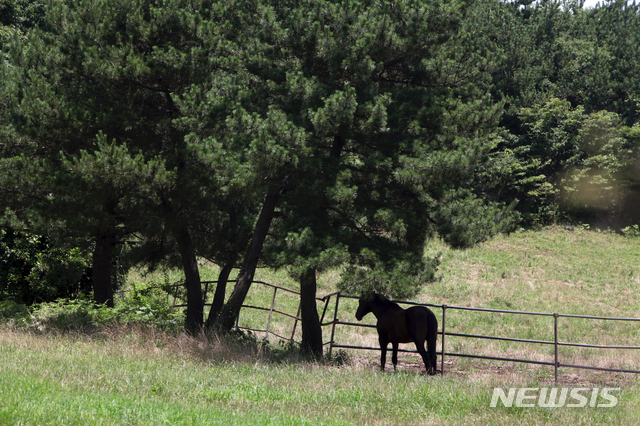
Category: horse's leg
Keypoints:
(394, 357)
(418, 330)
(383, 352)
(431, 345)
(423, 353)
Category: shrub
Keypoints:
(632, 231)
(147, 306)
(12, 310)
(34, 269)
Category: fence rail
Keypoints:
(556, 363)
(442, 332)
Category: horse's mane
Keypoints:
(384, 300)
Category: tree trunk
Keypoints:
(101, 268)
(195, 304)
(231, 310)
(218, 297)
(311, 329)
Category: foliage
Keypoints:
(577, 65)
(564, 164)
(632, 231)
(12, 310)
(35, 269)
(18, 16)
(386, 114)
(147, 306)
(328, 133)
(614, 28)
(88, 165)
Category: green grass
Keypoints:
(568, 272)
(138, 375)
(129, 378)
(551, 271)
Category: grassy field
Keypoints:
(138, 375)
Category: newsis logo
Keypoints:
(555, 397)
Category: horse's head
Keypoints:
(364, 306)
(363, 310)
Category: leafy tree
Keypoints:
(528, 35)
(614, 28)
(566, 164)
(18, 16)
(557, 49)
(592, 187)
(554, 51)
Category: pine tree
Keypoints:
(109, 73)
(365, 124)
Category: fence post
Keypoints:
(206, 290)
(326, 300)
(333, 326)
(295, 323)
(555, 344)
(273, 301)
(444, 310)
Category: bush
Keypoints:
(147, 307)
(632, 231)
(34, 269)
(75, 314)
(12, 310)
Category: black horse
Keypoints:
(396, 325)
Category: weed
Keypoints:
(632, 231)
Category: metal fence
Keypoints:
(443, 334)
(272, 310)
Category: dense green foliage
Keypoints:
(145, 306)
(33, 269)
(307, 135)
(567, 148)
(19, 16)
